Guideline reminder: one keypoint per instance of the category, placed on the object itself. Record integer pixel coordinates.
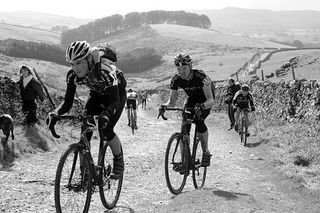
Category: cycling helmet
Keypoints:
(182, 60)
(77, 50)
(245, 87)
(231, 79)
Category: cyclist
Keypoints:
(241, 100)
(144, 97)
(197, 85)
(96, 70)
(132, 100)
(231, 91)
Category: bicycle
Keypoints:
(243, 126)
(77, 175)
(178, 158)
(132, 121)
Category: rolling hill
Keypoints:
(40, 20)
(28, 34)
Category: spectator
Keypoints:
(30, 90)
(231, 91)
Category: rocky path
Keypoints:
(240, 179)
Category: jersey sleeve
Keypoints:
(174, 83)
(67, 103)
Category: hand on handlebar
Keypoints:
(51, 121)
(104, 119)
(162, 109)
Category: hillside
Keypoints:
(28, 34)
(213, 37)
(212, 51)
(40, 20)
(307, 65)
(279, 25)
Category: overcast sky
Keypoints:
(102, 8)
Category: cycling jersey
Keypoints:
(132, 100)
(192, 87)
(132, 95)
(242, 101)
(103, 79)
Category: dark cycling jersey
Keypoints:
(104, 79)
(242, 101)
(192, 87)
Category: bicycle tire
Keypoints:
(174, 142)
(106, 163)
(132, 121)
(240, 131)
(74, 182)
(198, 172)
(244, 133)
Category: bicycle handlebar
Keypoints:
(66, 117)
(162, 110)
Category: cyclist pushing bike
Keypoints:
(132, 100)
(95, 68)
(242, 100)
(197, 85)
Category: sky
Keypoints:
(100, 8)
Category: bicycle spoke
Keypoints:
(72, 194)
(110, 188)
(198, 172)
(176, 168)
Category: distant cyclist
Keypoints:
(243, 100)
(231, 91)
(197, 85)
(132, 97)
(107, 97)
(144, 97)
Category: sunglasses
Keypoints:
(178, 64)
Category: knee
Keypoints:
(202, 128)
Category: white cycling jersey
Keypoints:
(132, 95)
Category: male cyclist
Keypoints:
(241, 100)
(107, 96)
(231, 91)
(197, 86)
(144, 97)
(132, 100)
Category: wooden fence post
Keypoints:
(262, 76)
(293, 74)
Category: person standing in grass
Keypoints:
(30, 90)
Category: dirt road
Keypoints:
(240, 179)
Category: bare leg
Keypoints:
(204, 137)
(115, 145)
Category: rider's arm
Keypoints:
(173, 98)
(66, 104)
(234, 101)
(208, 93)
(114, 97)
(251, 101)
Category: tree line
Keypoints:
(100, 28)
(29, 49)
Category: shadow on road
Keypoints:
(228, 195)
(7, 156)
(35, 139)
(121, 209)
(262, 141)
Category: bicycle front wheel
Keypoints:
(110, 188)
(198, 172)
(73, 183)
(132, 123)
(243, 130)
(176, 164)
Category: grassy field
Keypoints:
(28, 34)
(308, 67)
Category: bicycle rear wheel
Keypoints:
(73, 185)
(132, 121)
(240, 130)
(176, 164)
(243, 130)
(198, 172)
(110, 188)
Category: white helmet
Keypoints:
(77, 50)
